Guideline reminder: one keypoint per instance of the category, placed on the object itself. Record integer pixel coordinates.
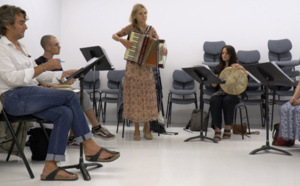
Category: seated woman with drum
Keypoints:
(227, 95)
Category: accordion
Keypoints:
(145, 50)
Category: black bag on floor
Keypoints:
(38, 143)
(155, 126)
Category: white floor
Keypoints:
(168, 160)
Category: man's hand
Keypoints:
(46, 85)
(68, 72)
(53, 64)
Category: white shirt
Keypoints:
(17, 68)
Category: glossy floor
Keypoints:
(168, 160)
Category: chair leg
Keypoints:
(99, 110)
(123, 128)
(18, 146)
(44, 130)
(207, 121)
(13, 142)
(261, 115)
(246, 111)
(167, 110)
(169, 115)
(104, 113)
(196, 104)
(241, 119)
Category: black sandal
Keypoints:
(53, 176)
(96, 158)
(227, 134)
(217, 136)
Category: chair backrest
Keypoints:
(182, 81)
(212, 50)
(115, 78)
(247, 57)
(90, 78)
(279, 50)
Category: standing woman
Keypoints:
(140, 102)
(221, 101)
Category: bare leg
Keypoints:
(92, 118)
(97, 129)
(136, 135)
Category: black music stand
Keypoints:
(80, 75)
(89, 53)
(269, 74)
(159, 93)
(202, 74)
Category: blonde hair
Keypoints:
(134, 11)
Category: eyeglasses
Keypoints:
(56, 45)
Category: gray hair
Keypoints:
(7, 16)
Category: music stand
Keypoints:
(158, 86)
(202, 74)
(80, 75)
(269, 74)
(96, 51)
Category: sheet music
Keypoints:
(206, 66)
(104, 52)
(272, 62)
(253, 77)
(92, 60)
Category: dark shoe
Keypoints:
(103, 133)
(54, 177)
(226, 134)
(72, 142)
(96, 158)
(217, 136)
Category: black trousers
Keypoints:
(225, 103)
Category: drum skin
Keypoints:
(236, 81)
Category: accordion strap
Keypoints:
(146, 31)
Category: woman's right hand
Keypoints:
(126, 43)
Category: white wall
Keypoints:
(44, 18)
(185, 25)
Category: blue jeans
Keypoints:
(62, 107)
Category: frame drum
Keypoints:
(236, 81)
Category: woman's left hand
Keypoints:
(164, 52)
(237, 66)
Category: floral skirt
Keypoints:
(289, 121)
(139, 93)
